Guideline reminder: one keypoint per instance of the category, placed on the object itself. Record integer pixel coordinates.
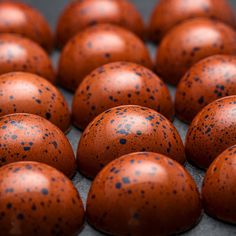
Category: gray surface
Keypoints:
(207, 225)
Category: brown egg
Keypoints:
(36, 199)
(125, 129)
(218, 191)
(119, 83)
(21, 54)
(27, 137)
(212, 131)
(169, 13)
(22, 92)
(96, 46)
(208, 80)
(81, 14)
(19, 18)
(143, 192)
(190, 42)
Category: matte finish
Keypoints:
(190, 42)
(22, 92)
(206, 81)
(96, 46)
(125, 129)
(119, 83)
(21, 54)
(27, 137)
(218, 191)
(212, 131)
(169, 13)
(143, 192)
(36, 199)
(79, 15)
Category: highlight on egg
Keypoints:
(119, 83)
(96, 46)
(36, 199)
(143, 192)
(125, 129)
(27, 137)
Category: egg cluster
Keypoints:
(129, 147)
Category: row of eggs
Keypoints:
(147, 191)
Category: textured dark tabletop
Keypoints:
(207, 226)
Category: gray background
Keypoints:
(207, 225)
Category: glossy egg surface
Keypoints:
(22, 92)
(143, 192)
(120, 83)
(27, 137)
(125, 129)
(36, 199)
(212, 131)
(169, 13)
(206, 81)
(96, 46)
(79, 15)
(190, 42)
(218, 190)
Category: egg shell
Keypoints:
(21, 54)
(22, 92)
(211, 132)
(143, 192)
(19, 18)
(125, 129)
(27, 137)
(120, 83)
(206, 81)
(218, 191)
(79, 15)
(190, 42)
(169, 13)
(36, 199)
(96, 46)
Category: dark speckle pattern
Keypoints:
(218, 189)
(153, 201)
(26, 137)
(35, 95)
(177, 51)
(21, 54)
(155, 133)
(208, 80)
(19, 18)
(212, 131)
(81, 14)
(32, 207)
(167, 14)
(121, 44)
(121, 83)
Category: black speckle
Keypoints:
(48, 115)
(201, 100)
(123, 141)
(125, 180)
(44, 191)
(20, 216)
(27, 148)
(118, 185)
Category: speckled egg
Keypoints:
(27, 137)
(81, 14)
(119, 83)
(22, 92)
(125, 129)
(169, 13)
(208, 80)
(212, 131)
(190, 42)
(96, 46)
(21, 54)
(19, 18)
(218, 191)
(36, 199)
(143, 192)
